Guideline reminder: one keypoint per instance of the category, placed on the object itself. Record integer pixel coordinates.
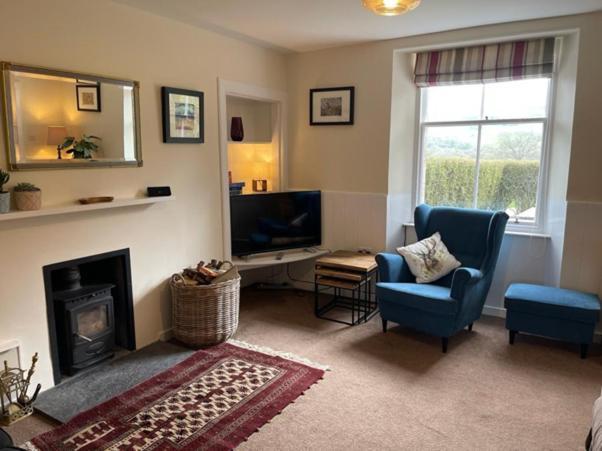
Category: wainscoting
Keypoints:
(582, 259)
(354, 220)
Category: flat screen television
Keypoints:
(275, 221)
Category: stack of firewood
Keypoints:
(207, 273)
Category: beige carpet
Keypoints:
(397, 391)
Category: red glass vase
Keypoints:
(237, 132)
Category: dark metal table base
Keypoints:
(361, 305)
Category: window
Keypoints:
(483, 146)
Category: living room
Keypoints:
(369, 155)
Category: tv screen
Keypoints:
(275, 221)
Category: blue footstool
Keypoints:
(558, 313)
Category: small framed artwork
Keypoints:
(331, 106)
(88, 97)
(183, 116)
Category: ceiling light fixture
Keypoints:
(390, 7)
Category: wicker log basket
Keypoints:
(205, 315)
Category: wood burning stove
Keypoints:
(90, 309)
(85, 323)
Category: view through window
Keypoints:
(482, 146)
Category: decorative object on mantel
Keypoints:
(236, 188)
(183, 116)
(205, 303)
(81, 149)
(95, 200)
(390, 7)
(191, 406)
(4, 195)
(237, 131)
(57, 134)
(260, 186)
(331, 106)
(27, 197)
(158, 191)
(15, 404)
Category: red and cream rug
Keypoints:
(213, 400)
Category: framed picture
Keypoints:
(88, 97)
(183, 116)
(331, 106)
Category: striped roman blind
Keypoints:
(486, 63)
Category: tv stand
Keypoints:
(281, 258)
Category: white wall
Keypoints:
(115, 40)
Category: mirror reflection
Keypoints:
(60, 119)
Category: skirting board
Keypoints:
(498, 312)
(166, 335)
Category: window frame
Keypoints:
(539, 223)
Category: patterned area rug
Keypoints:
(213, 400)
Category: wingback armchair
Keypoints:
(454, 302)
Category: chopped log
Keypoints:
(209, 273)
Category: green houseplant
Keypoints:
(27, 197)
(4, 195)
(83, 148)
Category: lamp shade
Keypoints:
(390, 7)
(56, 135)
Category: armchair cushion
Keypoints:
(393, 268)
(429, 259)
(428, 298)
(463, 279)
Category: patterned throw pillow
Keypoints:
(429, 259)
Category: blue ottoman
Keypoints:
(558, 313)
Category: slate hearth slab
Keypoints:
(108, 379)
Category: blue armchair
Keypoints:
(454, 302)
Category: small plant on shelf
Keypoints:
(4, 195)
(83, 148)
(27, 196)
(24, 186)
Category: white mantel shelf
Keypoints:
(78, 208)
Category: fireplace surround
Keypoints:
(89, 306)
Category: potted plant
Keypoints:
(4, 195)
(27, 197)
(81, 149)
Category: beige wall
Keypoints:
(368, 157)
(106, 38)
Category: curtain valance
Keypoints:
(506, 61)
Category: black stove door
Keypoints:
(93, 330)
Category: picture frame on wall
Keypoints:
(332, 106)
(183, 116)
(88, 97)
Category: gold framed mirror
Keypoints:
(56, 119)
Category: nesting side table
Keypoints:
(351, 272)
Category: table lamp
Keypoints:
(56, 137)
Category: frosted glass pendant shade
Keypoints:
(390, 7)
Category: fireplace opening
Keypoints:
(90, 310)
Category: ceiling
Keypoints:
(305, 25)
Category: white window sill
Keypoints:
(526, 234)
